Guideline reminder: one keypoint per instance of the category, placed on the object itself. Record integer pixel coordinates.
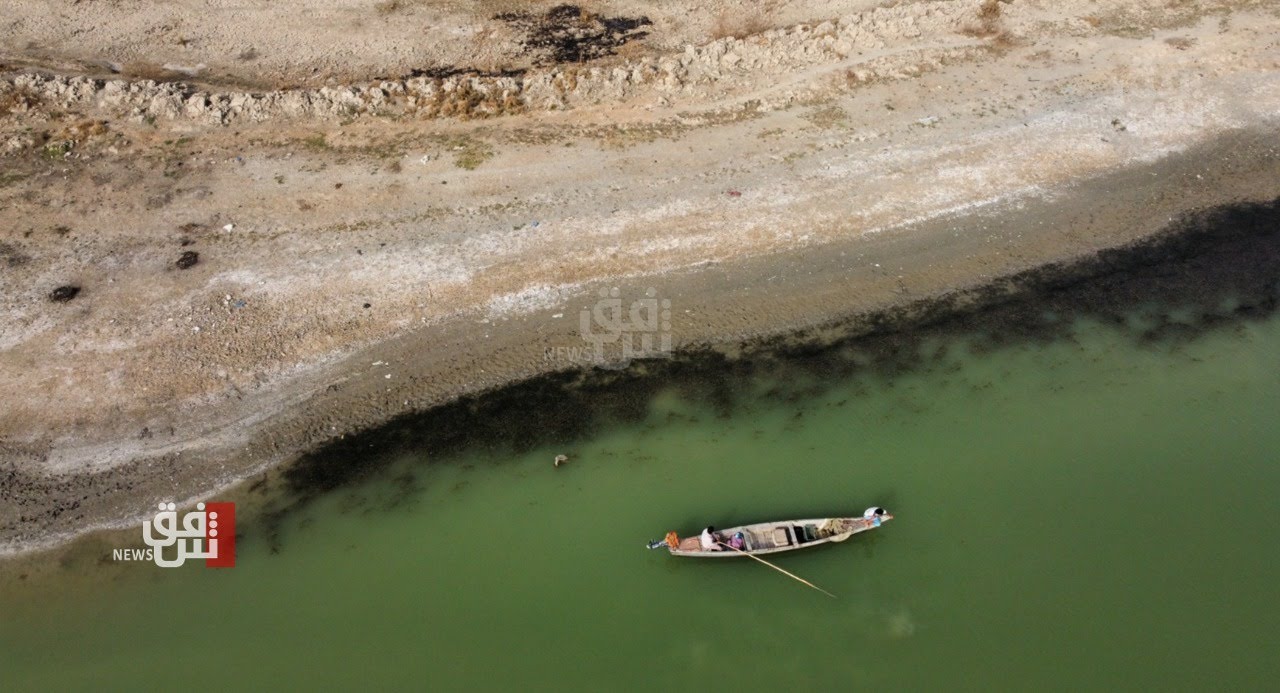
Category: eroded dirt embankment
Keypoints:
(883, 43)
(200, 282)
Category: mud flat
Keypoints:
(200, 283)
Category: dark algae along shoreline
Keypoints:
(1010, 270)
(1206, 270)
(859, 303)
(1080, 461)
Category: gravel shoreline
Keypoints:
(810, 297)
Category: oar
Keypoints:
(793, 576)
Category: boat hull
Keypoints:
(767, 538)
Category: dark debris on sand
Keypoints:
(570, 34)
(64, 293)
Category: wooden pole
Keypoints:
(793, 576)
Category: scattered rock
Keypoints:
(63, 294)
(561, 40)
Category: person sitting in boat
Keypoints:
(875, 514)
(709, 540)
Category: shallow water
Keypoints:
(1088, 513)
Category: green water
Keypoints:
(1088, 514)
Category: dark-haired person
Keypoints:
(709, 540)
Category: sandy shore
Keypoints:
(371, 253)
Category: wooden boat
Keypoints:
(774, 537)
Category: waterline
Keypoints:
(1084, 513)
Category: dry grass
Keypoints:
(988, 20)
(467, 103)
(469, 153)
(18, 100)
(631, 50)
(1140, 21)
(827, 117)
(988, 26)
(86, 129)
